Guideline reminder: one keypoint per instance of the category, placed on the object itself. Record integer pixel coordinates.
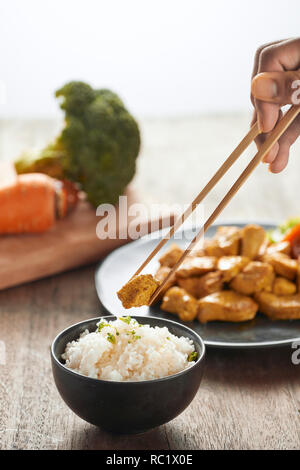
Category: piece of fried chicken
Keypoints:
(256, 276)
(253, 241)
(177, 300)
(282, 286)
(194, 266)
(225, 242)
(283, 307)
(200, 286)
(227, 306)
(171, 256)
(230, 266)
(160, 276)
(283, 265)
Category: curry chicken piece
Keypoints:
(138, 291)
(230, 266)
(196, 266)
(160, 275)
(256, 276)
(280, 247)
(202, 285)
(177, 300)
(283, 286)
(171, 256)
(284, 307)
(200, 251)
(226, 306)
(283, 265)
(253, 241)
(226, 241)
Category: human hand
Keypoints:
(275, 83)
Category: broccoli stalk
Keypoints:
(97, 148)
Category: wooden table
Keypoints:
(247, 399)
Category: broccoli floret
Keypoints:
(97, 148)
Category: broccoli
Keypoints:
(97, 148)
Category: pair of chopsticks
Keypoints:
(276, 133)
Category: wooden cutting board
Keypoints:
(72, 242)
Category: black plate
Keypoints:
(119, 266)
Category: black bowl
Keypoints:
(126, 407)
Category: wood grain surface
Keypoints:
(247, 400)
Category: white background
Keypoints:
(165, 57)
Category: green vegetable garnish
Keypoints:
(125, 319)
(288, 224)
(97, 148)
(102, 325)
(134, 336)
(193, 356)
(111, 338)
(277, 234)
(168, 337)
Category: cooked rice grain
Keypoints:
(124, 350)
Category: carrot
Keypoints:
(292, 234)
(32, 204)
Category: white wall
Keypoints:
(165, 57)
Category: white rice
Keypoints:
(134, 352)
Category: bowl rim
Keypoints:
(120, 382)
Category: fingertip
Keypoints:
(271, 155)
(279, 163)
(275, 170)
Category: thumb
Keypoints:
(277, 87)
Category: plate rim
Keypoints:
(208, 343)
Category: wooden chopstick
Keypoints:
(282, 125)
(245, 142)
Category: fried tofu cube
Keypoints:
(201, 286)
(194, 266)
(138, 291)
(177, 300)
(253, 240)
(171, 256)
(225, 242)
(226, 306)
(283, 265)
(283, 307)
(230, 266)
(283, 286)
(160, 276)
(256, 276)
